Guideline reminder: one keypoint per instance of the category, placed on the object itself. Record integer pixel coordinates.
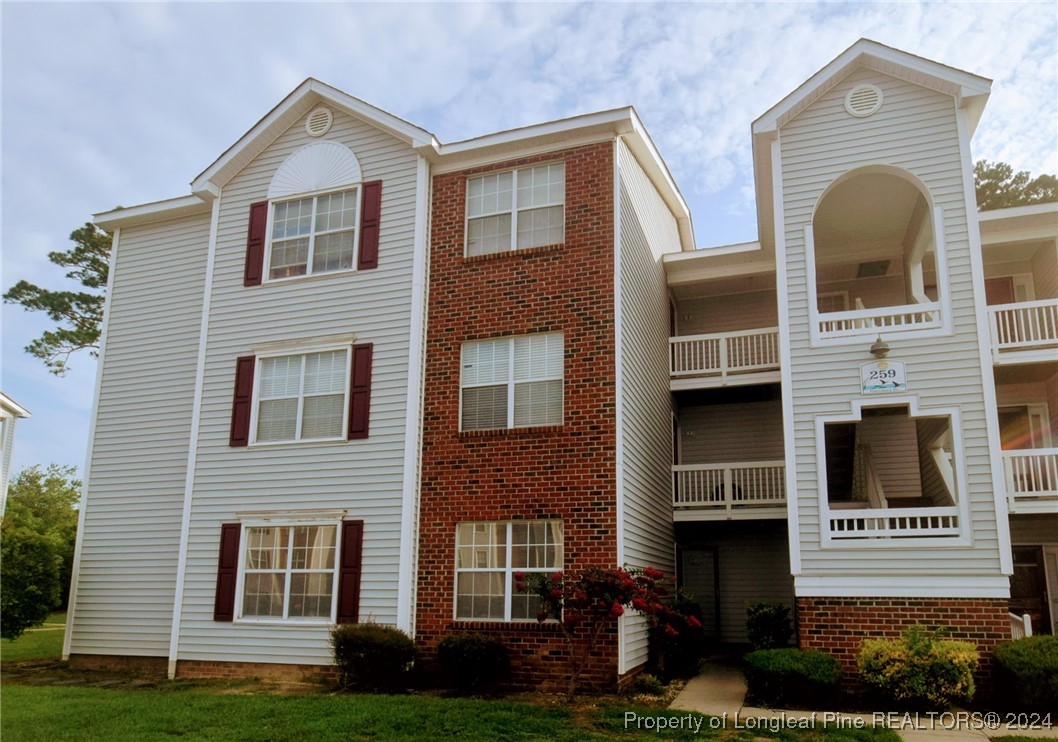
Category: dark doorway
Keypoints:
(1028, 588)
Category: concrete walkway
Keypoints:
(720, 690)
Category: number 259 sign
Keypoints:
(880, 377)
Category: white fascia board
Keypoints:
(11, 406)
(155, 211)
(972, 90)
(902, 586)
(617, 121)
(265, 131)
(1014, 212)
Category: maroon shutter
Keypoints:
(349, 571)
(371, 215)
(255, 241)
(360, 391)
(227, 567)
(240, 406)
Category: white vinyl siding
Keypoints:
(363, 477)
(647, 230)
(727, 313)
(132, 509)
(718, 434)
(516, 209)
(512, 382)
(915, 130)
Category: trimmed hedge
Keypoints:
(768, 625)
(372, 657)
(920, 669)
(792, 676)
(473, 662)
(1027, 673)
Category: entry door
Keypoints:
(1050, 560)
(699, 577)
(999, 290)
(1023, 427)
(1028, 588)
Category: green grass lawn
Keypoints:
(36, 644)
(199, 713)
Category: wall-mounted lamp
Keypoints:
(880, 349)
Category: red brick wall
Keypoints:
(838, 625)
(141, 666)
(263, 670)
(565, 472)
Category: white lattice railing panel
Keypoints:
(723, 353)
(729, 486)
(875, 321)
(894, 522)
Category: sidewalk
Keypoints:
(719, 690)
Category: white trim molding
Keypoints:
(902, 586)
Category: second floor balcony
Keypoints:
(724, 358)
(1024, 332)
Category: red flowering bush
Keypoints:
(586, 603)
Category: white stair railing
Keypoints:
(1020, 626)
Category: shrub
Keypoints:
(30, 565)
(792, 676)
(371, 656)
(919, 669)
(677, 655)
(768, 625)
(646, 685)
(1027, 673)
(474, 662)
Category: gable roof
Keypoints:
(303, 99)
(969, 90)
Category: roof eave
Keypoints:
(156, 211)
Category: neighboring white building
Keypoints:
(865, 399)
(10, 412)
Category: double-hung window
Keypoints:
(289, 572)
(314, 235)
(512, 382)
(516, 209)
(488, 555)
(302, 397)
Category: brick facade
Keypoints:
(148, 667)
(564, 472)
(838, 625)
(214, 670)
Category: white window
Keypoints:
(516, 209)
(289, 572)
(512, 382)
(301, 397)
(488, 555)
(313, 235)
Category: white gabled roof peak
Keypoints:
(970, 90)
(299, 102)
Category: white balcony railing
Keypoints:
(729, 487)
(1025, 326)
(894, 522)
(874, 321)
(1020, 626)
(723, 353)
(1031, 474)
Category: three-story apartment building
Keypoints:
(359, 374)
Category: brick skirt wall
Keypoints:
(211, 669)
(142, 666)
(538, 655)
(838, 625)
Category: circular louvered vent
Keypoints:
(319, 122)
(863, 100)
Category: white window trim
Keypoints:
(965, 537)
(309, 519)
(508, 577)
(511, 383)
(514, 210)
(314, 195)
(256, 399)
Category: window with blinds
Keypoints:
(516, 209)
(512, 382)
(302, 397)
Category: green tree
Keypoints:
(79, 313)
(37, 538)
(998, 186)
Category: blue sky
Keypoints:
(108, 104)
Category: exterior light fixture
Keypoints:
(880, 349)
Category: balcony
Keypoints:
(724, 359)
(1032, 480)
(731, 491)
(893, 522)
(871, 322)
(1025, 332)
